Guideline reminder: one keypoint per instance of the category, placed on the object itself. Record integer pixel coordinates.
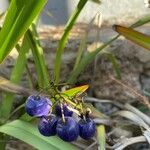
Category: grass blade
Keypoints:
(89, 57)
(101, 137)
(18, 19)
(3, 143)
(142, 21)
(114, 62)
(29, 134)
(134, 36)
(80, 51)
(15, 78)
(37, 51)
(83, 44)
(62, 43)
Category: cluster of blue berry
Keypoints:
(62, 123)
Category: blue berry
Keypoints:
(37, 106)
(87, 128)
(66, 111)
(47, 126)
(68, 130)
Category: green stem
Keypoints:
(64, 38)
(15, 78)
(18, 108)
(2, 142)
(62, 112)
(37, 51)
(101, 137)
(30, 78)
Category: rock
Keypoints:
(143, 55)
(120, 132)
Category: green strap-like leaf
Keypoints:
(38, 56)
(142, 21)
(101, 137)
(114, 62)
(19, 17)
(89, 57)
(29, 134)
(134, 36)
(64, 38)
(15, 77)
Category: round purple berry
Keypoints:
(47, 126)
(66, 111)
(87, 128)
(37, 106)
(68, 130)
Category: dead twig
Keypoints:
(7, 86)
(128, 141)
(139, 113)
(97, 100)
(133, 117)
(107, 122)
